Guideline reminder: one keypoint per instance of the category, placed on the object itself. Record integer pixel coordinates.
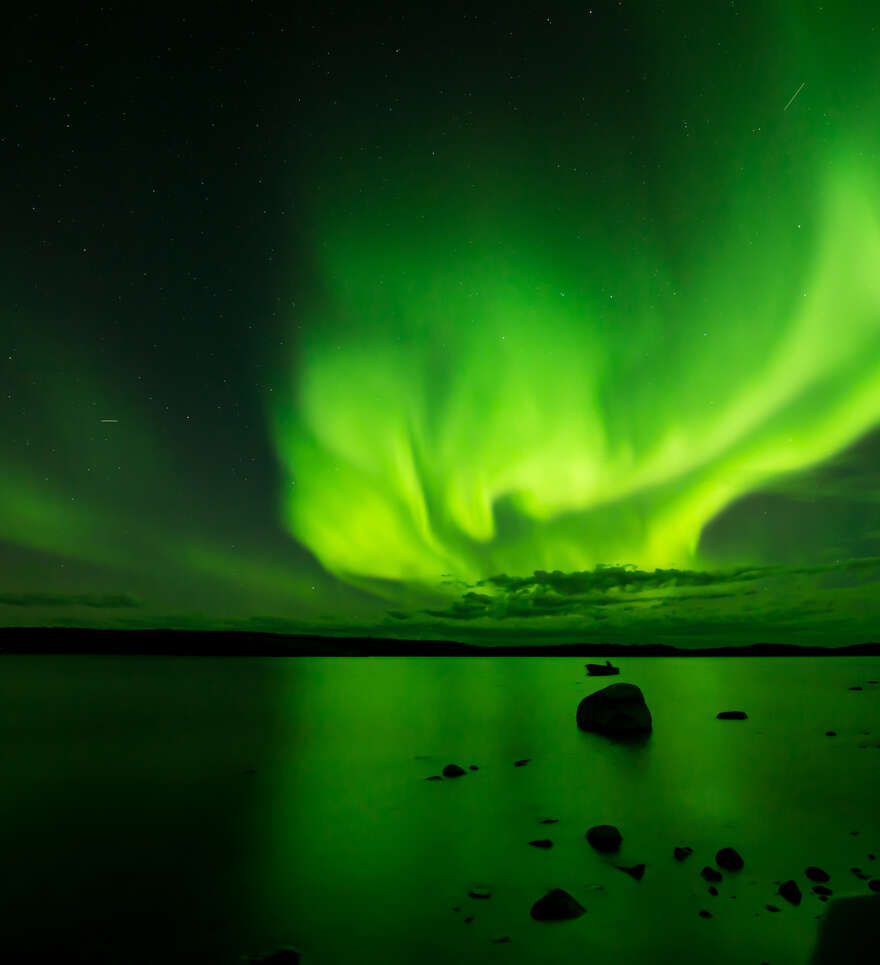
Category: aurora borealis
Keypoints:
(435, 321)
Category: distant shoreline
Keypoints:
(235, 643)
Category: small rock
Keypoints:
(729, 859)
(434, 777)
(705, 914)
(604, 837)
(874, 884)
(872, 857)
(473, 767)
(771, 908)
(453, 770)
(637, 871)
(542, 843)
(710, 874)
(831, 733)
(859, 873)
(816, 874)
(682, 853)
(479, 893)
(456, 909)
(499, 941)
(872, 681)
(713, 890)
(525, 760)
(556, 905)
(467, 921)
(549, 821)
(822, 890)
(790, 891)
(251, 771)
(732, 715)
(855, 688)
(854, 833)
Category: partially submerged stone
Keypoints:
(605, 838)
(617, 709)
(790, 891)
(732, 715)
(453, 770)
(729, 859)
(556, 905)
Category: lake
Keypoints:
(134, 831)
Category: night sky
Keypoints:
(536, 322)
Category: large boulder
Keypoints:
(618, 709)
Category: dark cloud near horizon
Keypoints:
(104, 601)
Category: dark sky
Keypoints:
(326, 319)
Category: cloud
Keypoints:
(106, 601)
(586, 594)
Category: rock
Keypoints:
(713, 890)
(453, 770)
(682, 853)
(525, 760)
(604, 837)
(816, 874)
(772, 908)
(467, 921)
(549, 821)
(282, 956)
(790, 891)
(705, 914)
(855, 688)
(637, 871)
(542, 843)
(874, 884)
(434, 777)
(728, 859)
(556, 905)
(602, 670)
(822, 890)
(473, 767)
(710, 874)
(499, 941)
(479, 893)
(732, 715)
(618, 709)
(831, 733)
(859, 873)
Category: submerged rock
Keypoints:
(705, 914)
(682, 853)
(816, 874)
(525, 760)
(542, 843)
(732, 715)
(618, 709)
(549, 821)
(822, 890)
(479, 893)
(556, 905)
(710, 874)
(729, 859)
(604, 837)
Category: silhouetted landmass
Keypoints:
(229, 643)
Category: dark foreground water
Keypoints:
(132, 832)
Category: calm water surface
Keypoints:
(131, 830)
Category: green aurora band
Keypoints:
(503, 369)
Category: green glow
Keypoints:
(473, 397)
